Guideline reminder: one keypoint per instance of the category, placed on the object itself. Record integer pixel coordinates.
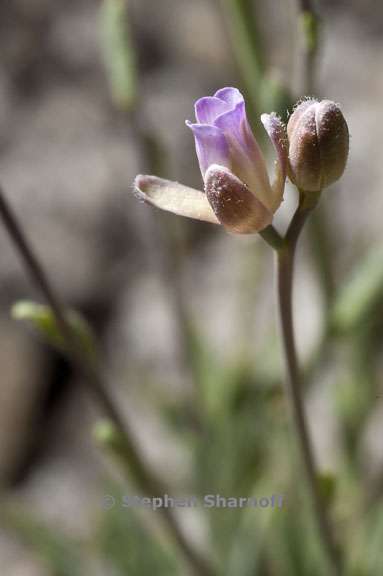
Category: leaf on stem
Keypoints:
(42, 319)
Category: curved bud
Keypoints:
(318, 145)
(234, 204)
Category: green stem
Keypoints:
(246, 49)
(144, 478)
(285, 262)
(310, 23)
(272, 237)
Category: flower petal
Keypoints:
(247, 160)
(231, 120)
(208, 108)
(174, 197)
(211, 146)
(276, 131)
(230, 95)
(234, 204)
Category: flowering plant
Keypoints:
(237, 189)
(238, 194)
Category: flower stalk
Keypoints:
(272, 237)
(285, 273)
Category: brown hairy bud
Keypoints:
(318, 145)
(235, 206)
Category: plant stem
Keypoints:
(272, 237)
(246, 48)
(285, 262)
(144, 478)
(264, 90)
(309, 20)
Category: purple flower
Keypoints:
(238, 193)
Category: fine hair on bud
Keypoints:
(235, 206)
(318, 145)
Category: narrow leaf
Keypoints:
(42, 319)
(360, 295)
(118, 53)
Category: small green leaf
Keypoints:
(42, 319)
(105, 432)
(118, 53)
(359, 297)
(107, 436)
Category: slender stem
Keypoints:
(96, 384)
(272, 237)
(285, 261)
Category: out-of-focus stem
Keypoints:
(264, 90)
(285, 263)
(145, 479)
(246, 49)
(321, 246)
(310, 23)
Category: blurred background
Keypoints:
(92, 93)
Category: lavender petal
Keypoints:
(208, 108)
(230, 95)
(247, 160)
(211, 146)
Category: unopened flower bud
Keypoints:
(318, 145)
